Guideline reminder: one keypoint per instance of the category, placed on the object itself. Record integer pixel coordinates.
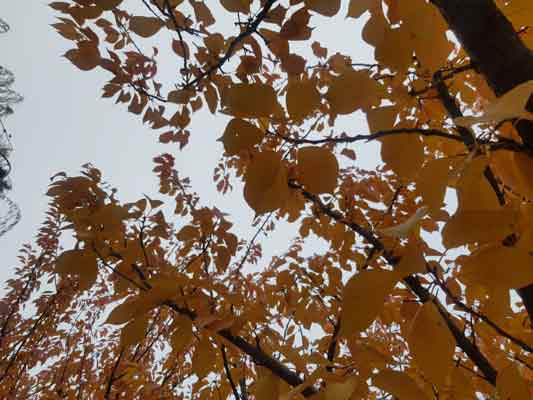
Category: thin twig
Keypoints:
(250, 29)
(228, 373)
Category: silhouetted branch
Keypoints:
(372, 136)
(250, 29)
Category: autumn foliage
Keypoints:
(408, 281)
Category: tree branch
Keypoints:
(372, 136)
(228, 373)
(258, 356)
(482, 317)
(413, 283)
(250, 29)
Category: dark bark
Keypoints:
(499, 55)
(490, 40)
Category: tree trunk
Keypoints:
(499, 54)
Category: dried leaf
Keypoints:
(406, 227)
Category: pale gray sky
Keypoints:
(63, 123)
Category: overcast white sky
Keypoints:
(63, 123)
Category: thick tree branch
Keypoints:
(499, 54)
(490, 40)
(258, 356)
(413, 283)
(480, 316)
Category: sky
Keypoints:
(64, 123)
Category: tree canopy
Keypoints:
(412, 280)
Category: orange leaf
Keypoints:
(145, 26)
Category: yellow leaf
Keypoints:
(398, 384)
(412, 261)
(145, 26)
(363, 298)
(81, 263)
(295, 28)
(524, 166)
(203, 359)
(211, 97)
(163, 287)
(297, 390)
(202, 13)
(461, 385)
(432, 182)
(511, 105)
(403, 153)
(427, 33)
(240, 135)
(358, 7)
(351, 91)
(480, 226)
(302, 99)
(325, 7)
(267, 388)
(266, 187)
(318, 169)
(134, 332)
(505, 168)
(236, 5)
(109, 4)
(433, 356)
(340, 390)
(406, 227)
(293, 64)
(172, 3)
(123, 312)
(183, 334)
(393, 47)
(187, 233)
(473, 189)
(510, 385)
(85, 57)
(87, 275)
(381, 118)
(499, 267)
(367, 357)
(250, 100)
